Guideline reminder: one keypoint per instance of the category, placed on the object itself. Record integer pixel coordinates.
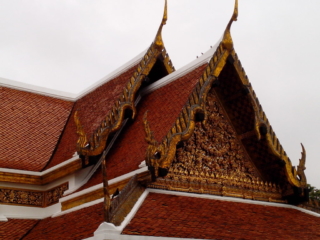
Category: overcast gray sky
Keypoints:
(70, 44)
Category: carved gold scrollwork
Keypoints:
(34, 198)
(212, 161)
(115, 117)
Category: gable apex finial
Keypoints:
(227, 39)
(158, 40)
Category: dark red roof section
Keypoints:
(75, 225)
(30, 126)
(190, 217)
(92, 109)
(164, 105)
(15, 229)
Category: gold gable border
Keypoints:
(113, 121)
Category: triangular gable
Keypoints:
(154, 65)
(226, 76)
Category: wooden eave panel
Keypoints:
(41, 180)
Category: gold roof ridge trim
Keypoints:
(296, 177)
(115, 117)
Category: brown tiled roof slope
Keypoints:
(92, 109)
(15, 229)
(30, 126)
(75, 225)
(164, 105)
(189, 217)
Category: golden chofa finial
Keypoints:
(227, 39)
(158, 40)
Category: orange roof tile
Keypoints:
(15, 228)
(164, 105)
(75, 225)
(190, 217)
(30, 126)
(92, 109)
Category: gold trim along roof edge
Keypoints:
(161, 155)
(113, 121)
(41, 179)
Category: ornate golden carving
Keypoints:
(185, 123)
(114, 119)
(161, 155)
(213, 161)
(52, 196)
(214, 149)
(32, 198)
(227, 41)
(124, 202)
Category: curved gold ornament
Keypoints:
(82, 140)
(158, 39)
(227, 41)
(113, 121)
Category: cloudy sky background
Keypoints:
(68, 45)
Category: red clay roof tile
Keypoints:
(190, 217)
(15, 228)
(30, 126)
(75, 225)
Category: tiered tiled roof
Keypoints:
(30, 127)
(75, 225)
(16, 228)
(164, 105)
(92, 108)
(190, 217)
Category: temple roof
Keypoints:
(155, 146)
(82, 225)
(191, 217)
(16, 228)
(30, 127)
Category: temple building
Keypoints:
(151, 153)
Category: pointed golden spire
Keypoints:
(227, 39)
(158, 40)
